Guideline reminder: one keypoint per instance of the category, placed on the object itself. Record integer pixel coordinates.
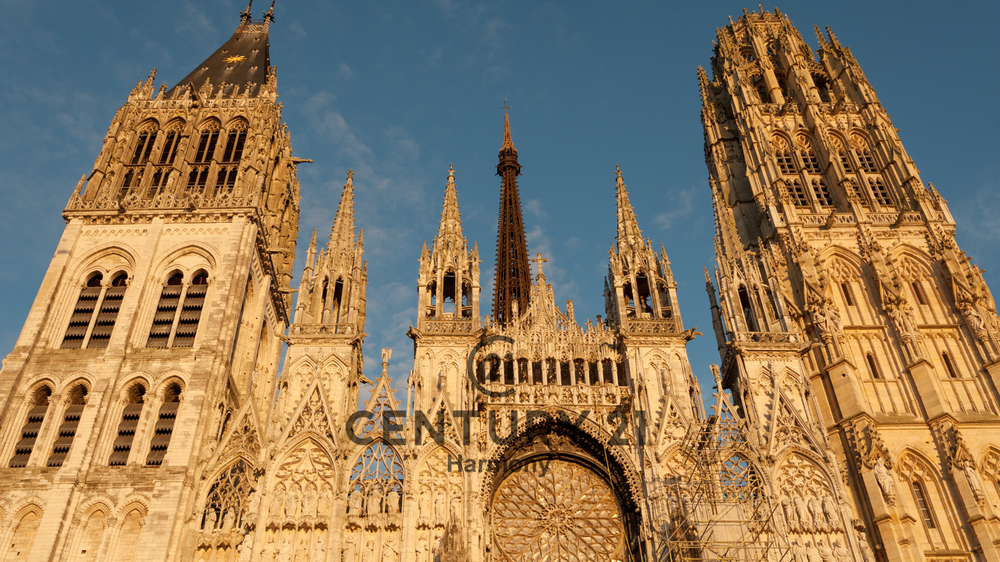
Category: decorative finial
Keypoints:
(269, 15)
(451, 171)
(246, 16)
(350, 176)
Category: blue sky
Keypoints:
(397, 90)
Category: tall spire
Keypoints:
(451, 219)
(629, 234)
(343, 226)
(513, 276)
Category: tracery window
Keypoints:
(783, 155)
(864, 153)
(178, 312)
(809, 160)
(206, 143)
(378, 478)
(33, 423)
(164, 425)
(229, 494)
(234, 143)
(144, 146)
(169, 151)
(67, 429)
(842, 153)
(747, 308)
(122, 445)
(24, 536)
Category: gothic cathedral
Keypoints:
(145, 418)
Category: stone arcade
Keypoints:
(145, 419)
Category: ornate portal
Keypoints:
(569, 514)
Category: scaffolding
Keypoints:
(717, 507)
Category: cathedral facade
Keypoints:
(145, 417)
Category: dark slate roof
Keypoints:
(244, 58)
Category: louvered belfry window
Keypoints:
(29, 432)
(164, 425)
(68, 427)
(126, 428)
(95, 313)
(175, 323)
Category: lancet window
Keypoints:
(841, 149)
(122, 446)
(376, 481)
(879, 191)
(747, 308)
(170, 144)
(783, 154)
(164, 425)
(864, 153)
(178, 312)
(39, 405)
(797, 193)
(95, 312)
(67, 429)
(872, 367)
(235, 141)
(208, 138)
(229, 497)
(144, 145)
(810, 163)
(920, 496)
(946, 359)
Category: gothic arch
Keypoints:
(129, 523)
(209, 123)
(23, 529)
(189, 253)
(172, 376)
(237, 121)
(914, 468)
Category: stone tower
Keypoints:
(155, 322)
(857, 339)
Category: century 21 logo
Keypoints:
(470, 366)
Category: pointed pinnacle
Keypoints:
(507, 142)
(628, 228)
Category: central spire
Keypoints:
(513, 276)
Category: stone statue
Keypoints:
(389, 552)
(210, 518)
(392, 502)
(368, 555)
(802, 512)
(840, 553)
(798, 553)
(246, 548)
(373, 505)
(285, 552)
(424, 506)
(267, 554)
(319, 549)
(350, 549)
(309, 503)
(790, 515)
(812, 554)
(439, 515)
(276, 503)
(884, 479)
(973, 477)
(254, 504)
(291, 503)
(228, 520)
(422, 550)
(325, 505)
(973, 318)
(830, 510)
(866, 550)
(386, 355)
(816, 511)
(354, 503)
(825, 552)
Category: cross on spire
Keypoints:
(539, 260)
